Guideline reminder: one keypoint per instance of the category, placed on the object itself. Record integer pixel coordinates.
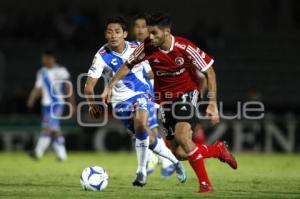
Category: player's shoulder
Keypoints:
(61, 69)
(182, 42)
(134, 44)
(103, 51)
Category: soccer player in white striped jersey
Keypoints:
(131, 102)
(52, 87)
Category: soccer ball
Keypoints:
(94, 178)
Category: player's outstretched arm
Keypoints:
(71, 99)
(89, 94)
(34, 95)
(212, 108)
(120, 74)
(150, 74)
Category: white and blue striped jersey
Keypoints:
(132, 84)
(52, 81)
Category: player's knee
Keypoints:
(180, 137)
(152, 138)
(180, 154)
(140, 125)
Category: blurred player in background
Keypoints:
(52, 84)
(140, 33)
(174, 61)
(130, 100)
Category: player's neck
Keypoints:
(119, 49)
(167, 45)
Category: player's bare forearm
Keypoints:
(89, 93)
(212, 108)
(150, 74)
(120, 74)
(89, 89)
(34, 95)
(211, 85)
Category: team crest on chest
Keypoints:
(179, 61)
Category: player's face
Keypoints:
(48, 61)
(115, 35)
(140, 30)
(157, 35)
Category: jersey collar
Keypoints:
(120, 54)
(172, 46)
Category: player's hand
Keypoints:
(213, 113)
(94, 111)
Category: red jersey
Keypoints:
(174, 70)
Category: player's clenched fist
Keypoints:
(213, 113)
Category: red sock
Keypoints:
(196, 161)
(208, 151)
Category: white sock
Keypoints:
(164, 162)
(59, 147)
(141, 146)
(161, 149)
(42, 145)
(150, 155)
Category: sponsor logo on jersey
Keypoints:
(169, 73)
(114, 62)
(179, 61)
(93, 69)
(179, 45)
(102, 51)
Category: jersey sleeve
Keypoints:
(38, 81)
(200, 59)
(64, 74)
(146, 66)
(137, 56)
(97, 67)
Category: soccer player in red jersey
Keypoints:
(174, 61)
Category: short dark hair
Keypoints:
(50, 53)
(159, 19)
(140, 16)
(117, 19)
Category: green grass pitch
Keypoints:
(258, 176)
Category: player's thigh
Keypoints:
(51, 116)
(140, 120)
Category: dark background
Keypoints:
(255, 44)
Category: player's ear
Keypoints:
(167, 30)
(125, 34)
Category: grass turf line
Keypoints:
(258, 176)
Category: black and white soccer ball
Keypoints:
(94, 178)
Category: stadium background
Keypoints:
(255, 44)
